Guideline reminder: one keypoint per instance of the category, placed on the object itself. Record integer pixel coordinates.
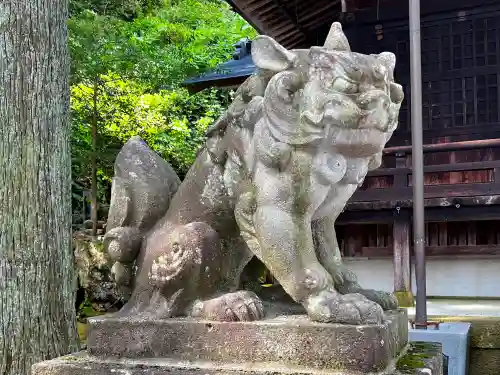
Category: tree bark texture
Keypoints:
(37, 283)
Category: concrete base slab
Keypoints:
(287, 340)
(415, 360)
(454, 338)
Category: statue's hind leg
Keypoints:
(184, 273)
(328, 253)
(229, 303)
(171, 270)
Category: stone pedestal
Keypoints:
(277, 345)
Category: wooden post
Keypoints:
(443, 234)
(401, 259)
(401, 180)
(433, 234)
(353, 243)
(471, 233)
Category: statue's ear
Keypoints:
(388, 60)
(268, 54)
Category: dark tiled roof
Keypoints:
(230, 73)
(241, 68)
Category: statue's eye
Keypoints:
(345, 86)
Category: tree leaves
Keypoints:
(138, 58)
(161, 49)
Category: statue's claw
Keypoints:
(350, 285)
(237, 306)
(331, 307)
(386, 300)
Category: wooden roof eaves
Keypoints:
(285, 10)
(252, 7)
(320, 21)
(284, 18)
(283, 30)
(319, 11)
(268, 14)
(276, 22)
(240, 11)
(293, 40)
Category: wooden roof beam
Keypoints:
(258, 5)
(272, 21)
(294, 20)
(293, 40)
(282, 30)
(238, 9)
(330, 17)
(318, 11)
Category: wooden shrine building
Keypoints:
(461, 122)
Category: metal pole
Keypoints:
(417, 164)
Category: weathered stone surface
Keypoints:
(289, 340)
(484, 361)
(143, 186)
(276, 171)
(94, 273)
(420, 358)
(485, 330)
(413, 361)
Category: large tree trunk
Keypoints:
(37, 284)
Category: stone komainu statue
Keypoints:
(276, 171)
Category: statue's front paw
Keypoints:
(230, 307)
(329, 306)
(387, 300)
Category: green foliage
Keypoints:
(161, 49)
(126, 9)
(173, 123)
(132, 55)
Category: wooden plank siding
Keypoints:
(454, 174)
(442, 238)
(462, 190)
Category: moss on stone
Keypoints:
(417, 356)
(99, 246)
(485, 342)
(405, 298)
(484, 362)
(82, 331)
(69, 357)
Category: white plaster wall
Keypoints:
(463, 277)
